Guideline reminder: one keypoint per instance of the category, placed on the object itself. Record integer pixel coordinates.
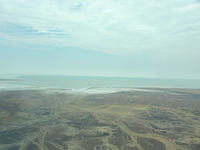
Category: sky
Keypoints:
(133, 38)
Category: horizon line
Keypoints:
(101, 76)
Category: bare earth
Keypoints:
(167, 119)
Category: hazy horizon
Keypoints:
(101, 76)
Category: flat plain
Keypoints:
(146, 119)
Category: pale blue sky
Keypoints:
(132, 38)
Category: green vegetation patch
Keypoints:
(119, 138)
(151, 144)
(32, 146)
(15, 135)
(91, 143)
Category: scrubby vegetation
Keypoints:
(137, 120)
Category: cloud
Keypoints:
(20, 30)
(111, 26)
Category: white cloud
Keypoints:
(112, 26)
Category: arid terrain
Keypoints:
(150, 119)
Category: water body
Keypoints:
(86, 82)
